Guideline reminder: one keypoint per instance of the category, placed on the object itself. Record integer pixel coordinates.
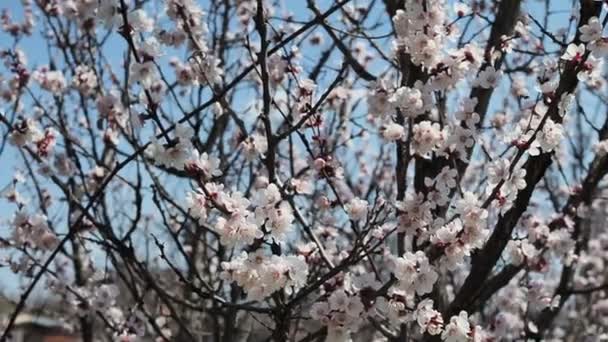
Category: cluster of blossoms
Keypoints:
(511, 180)
(188, 18)
(409, 100)
(271, 215)
(421, 31)
(415, 214)
(421, 34)
(239, 227)
(456, 238)
(591, 35)
(105, 297)
(110, 108)
(202, 68)
(548, 138)
(85, 80)
(350, 300)
(457, 241)
(261, 275)
(258, 274)
(428, 319)
(181, 154)
(33, 231)
(254, 146)
(592, 43)
(340, 312)
(592, 263)
(17, 29)
(272, 212)
(50, 80)
(176, 153)
(427, 137)
(27, 132)
(415, 274)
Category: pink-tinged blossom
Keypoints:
(184, 73)
(498, 171)
(508, 325)
(560, 242)
(574, 53)
(520, 251)
(445, 179)
(207, 69)
(342, 312)
(470, 210)
(108, 13)
(238, 229)
(460, 141)
(393, 131)
(110, 107)
(429, 320)
(467, 112)
(601, 147)
(154, 94)
(24, 132)
(400, 20)
(356, 209)
(45, 145)
(150, 48)
(397, 306)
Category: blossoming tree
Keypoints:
(251, 170)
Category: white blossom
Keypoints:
(140, 21)
(488, 78)
(458, 329)
(427, 137)
(591, 31)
